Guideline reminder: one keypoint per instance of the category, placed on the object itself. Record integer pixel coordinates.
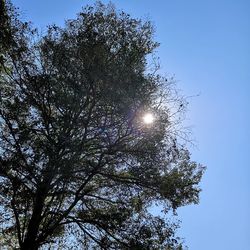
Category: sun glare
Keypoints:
(148, 118)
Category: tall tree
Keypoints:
(79, 166)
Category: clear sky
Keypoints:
(206, 45)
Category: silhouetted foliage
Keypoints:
(78, 166)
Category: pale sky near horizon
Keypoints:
(206, 45)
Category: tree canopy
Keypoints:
(79, 167)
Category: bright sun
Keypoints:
(148, 118)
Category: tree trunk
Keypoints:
(30, 240)
(29, 246)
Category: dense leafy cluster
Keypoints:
(78, 166)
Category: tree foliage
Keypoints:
(78, 166)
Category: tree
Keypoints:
(4, 31)
(78, 165)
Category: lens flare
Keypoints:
(148, 118)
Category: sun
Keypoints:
(148, 118)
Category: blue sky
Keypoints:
(206, 45)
